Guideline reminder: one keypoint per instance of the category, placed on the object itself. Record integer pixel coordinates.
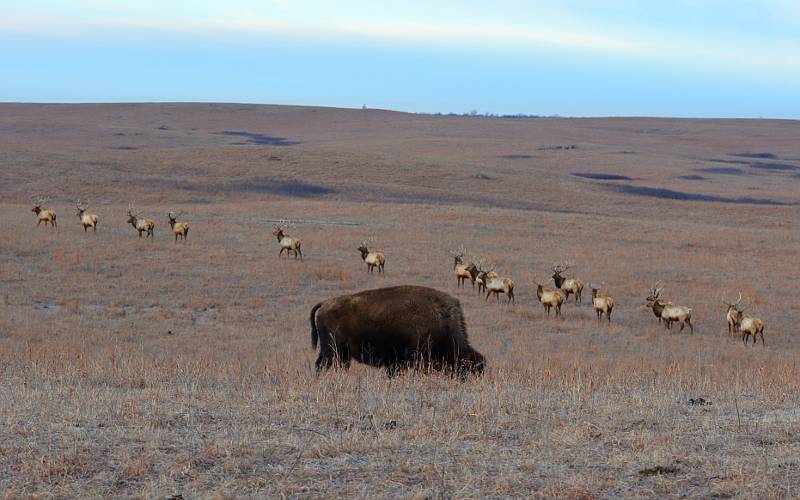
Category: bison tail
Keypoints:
(314, 333)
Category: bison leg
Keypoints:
(394, 369)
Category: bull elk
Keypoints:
(394, 328)
(87, 220)
(43, 214)
(550, 299)
(463, 271)
(748, 325)
(569, 286)
(373, 258)
(287, 242)
(734, 314)
(482, 277)
(603, 304)
(179, 229)
(495, 284)
(141, 224)
(667, 312)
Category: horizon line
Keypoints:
(447, 114)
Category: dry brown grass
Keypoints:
(98, 399)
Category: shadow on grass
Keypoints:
(669, 194)
(601, 176)
(252, 138)
(283, 187)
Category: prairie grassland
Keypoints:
(147, 368)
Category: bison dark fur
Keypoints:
(394, 328)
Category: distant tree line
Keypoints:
(476, 114)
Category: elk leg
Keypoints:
(691, 326)
(301, 253)
(762, 339)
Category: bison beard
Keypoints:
(394, 328)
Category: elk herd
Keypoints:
(554, 298)
(476, 271)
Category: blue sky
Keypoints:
(694, 58)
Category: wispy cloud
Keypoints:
(775, 55)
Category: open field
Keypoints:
(131, 367)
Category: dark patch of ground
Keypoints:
(774, 166)
(483, 177)
(723, 170)
(732, 162)
(692, 177)
(258, 139)
(558, 147)
(516, 157)
(658, 470)
(282, 187)
(601, 176)
(669, 194)
(764, 156)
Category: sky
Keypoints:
(685, 58)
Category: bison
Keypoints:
(394, 328)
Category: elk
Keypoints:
(463, 271)
(748, 325)
(394, 328)
(668, 312)
(87, 220)
(372, 258)
(42, 214)
(178, 228)
(141, 224)
(567, 285)
(603, 304)
(550, 299)
(288, 243)
(483, 276)
(751, 326)
(734, 314)
(499, 285)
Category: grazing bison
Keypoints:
(394, 328)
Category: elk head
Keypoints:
(81, 207)
(365, 245)
(279, 229)
(734, 306)
(655, 294)
(558, 271)
(133, 216)
(173, 218)
(38, 203)
(458, 256)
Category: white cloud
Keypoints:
(558, 32)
